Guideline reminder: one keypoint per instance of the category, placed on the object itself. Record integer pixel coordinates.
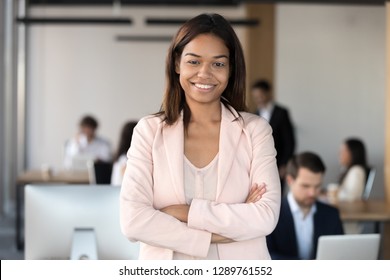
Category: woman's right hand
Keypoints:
(256, 193)
(216, 238)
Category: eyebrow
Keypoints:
(217, 56)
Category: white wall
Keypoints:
(75, 70)
(330, 63)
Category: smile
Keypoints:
(203, 86)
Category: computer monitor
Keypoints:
(348, 247)
(53, 214)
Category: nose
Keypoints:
(204, 71)
(312, 192)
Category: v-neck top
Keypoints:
(200, 183)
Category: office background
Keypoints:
(329, 70)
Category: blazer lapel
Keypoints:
(289, 227)
(174, 150)
(229, 138)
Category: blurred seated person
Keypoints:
(353, 178)
(120, 158)
(279, 119)
(86, 146)
(303, 219)
(352, 181)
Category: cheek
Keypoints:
(182, 82)
(223, 78)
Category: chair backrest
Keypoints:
(100, 173)
(369, 183)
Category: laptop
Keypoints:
(348, 247)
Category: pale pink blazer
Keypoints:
(154, 179)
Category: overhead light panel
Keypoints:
(143, 38)
(75, 20)
(180, 21)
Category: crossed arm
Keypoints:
(180, 211)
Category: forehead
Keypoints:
(206, 45)
(259, 91)
(307, 176)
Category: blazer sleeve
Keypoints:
(287, 138)
(244, 221)
(139, 220)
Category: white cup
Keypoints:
(46, 171)
(331, 192)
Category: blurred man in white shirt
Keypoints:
(86, 146)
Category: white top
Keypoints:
(97, 149)
(200, 183)
(118, 169)
(352, 187)
(304, 227)
(266, 112)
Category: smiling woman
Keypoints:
(204, 70)
(201, 180)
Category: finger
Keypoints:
(253, 197)
(262, 191)
(253, 191)
(256, 193)
(254, 187)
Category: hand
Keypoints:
(216, 238)
(256, 193)
(178, 211)
(81, 139)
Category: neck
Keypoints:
(264, 106)
(90, 138)
(305, 210)
(202, 113)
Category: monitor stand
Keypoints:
(84, 245)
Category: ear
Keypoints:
(289, 179)
(177, 66)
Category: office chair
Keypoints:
(100, 172)
(369, 183)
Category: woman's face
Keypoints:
(345, 155)
(204, 69)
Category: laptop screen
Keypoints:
(348, 247)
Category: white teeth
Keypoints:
(203, 86)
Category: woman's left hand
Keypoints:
(256, 193)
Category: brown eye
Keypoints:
(193, 62)
(219, 64)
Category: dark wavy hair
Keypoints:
(125, 139)
(358, 155)
(234, 95)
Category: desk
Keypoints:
(37, 177)
(65, 176)
(377, 211)
(364, 211)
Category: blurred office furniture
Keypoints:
(80, 162)
(42, 177)
(348, 247)
(75, 222)
(100, 172)
(376, 211)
